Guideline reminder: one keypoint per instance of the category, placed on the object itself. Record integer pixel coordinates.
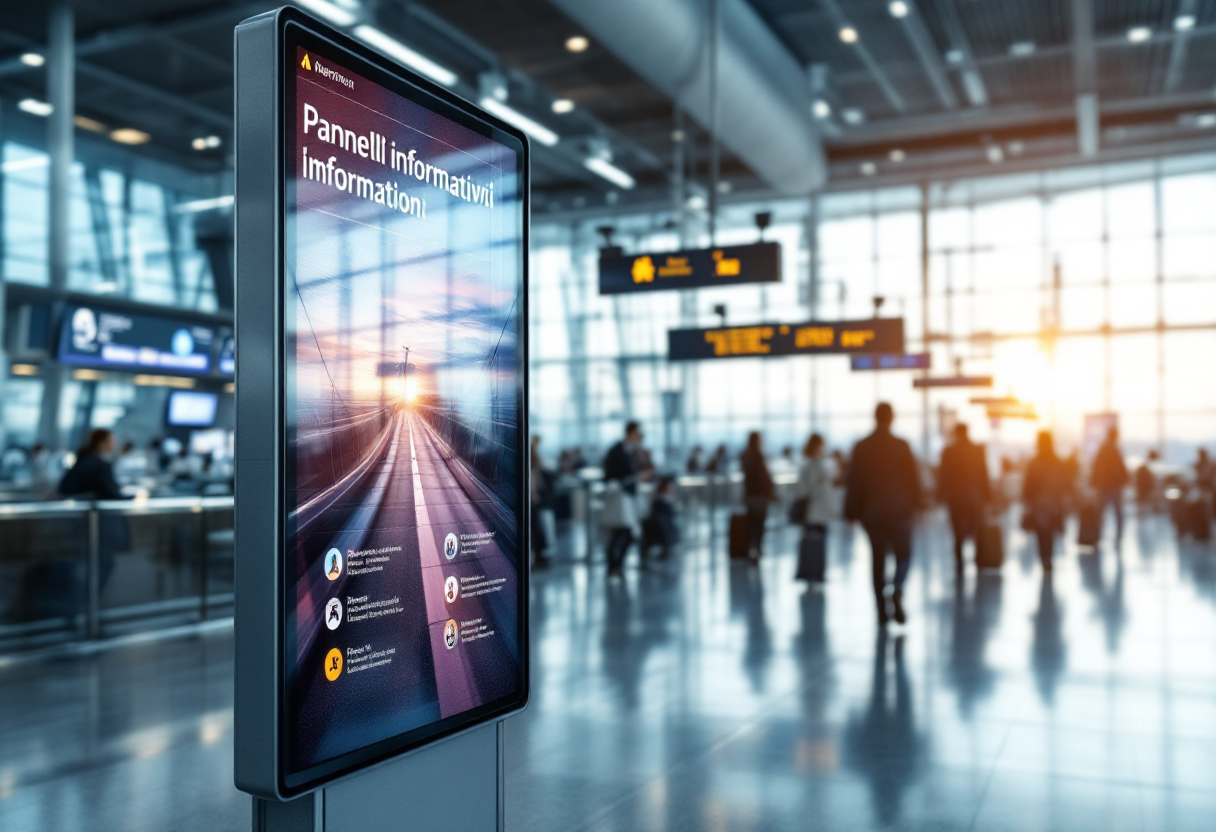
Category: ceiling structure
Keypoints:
(898, 90)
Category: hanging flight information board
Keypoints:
(890, 361)
(690, 269)
(93, 337)
(381, 309)
(776, 340)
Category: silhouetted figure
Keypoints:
(92, 477)
(884, 494)
(815, 487)
(1045, 497)
(717, 463)
(1109, 477)
(962, 484)
(1204, 469)
(758, 492)
(1145, 482)
(541, 493)
(695, 464)
(621, 468)
(662, 528)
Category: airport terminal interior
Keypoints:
(869, 410)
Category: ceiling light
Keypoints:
(1021, 49)
(129, 135)
(396, 49)
(995, 154)
(868, 168)
(28, 163)
(1139, 34)
(508, 114)
(322, 8)
(724, 187)
(822, 109)
(1182, 23)
(24, 369)
(205, 142)
(1205, 120)
(35, 107)
(36, 58)
(197, 205)
(90, 124)
(852, 115)
(955, 56)
(848, 34)
(696, 202)
(898, 8)
(609, 171)
(1016, 148)
(562, 105)
(577, 43)
(897, 155)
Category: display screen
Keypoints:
(191, 409)
(405, 565)
(890, 361)
(94, 337)
(690, 269)
(776, 340)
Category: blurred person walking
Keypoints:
(758, 492)
(621, 475)
(1045, 497)
(92, 476)
(1146, 484)
(883, 494)
(540, 492)
(814, 507)
(1109, 477)
(962, 484)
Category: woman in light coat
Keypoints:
(815, 488)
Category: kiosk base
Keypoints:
(456, 786)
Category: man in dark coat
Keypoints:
(883, 494)
(621, 465)
(1109, 477)
(962, 484)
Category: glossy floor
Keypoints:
(699, 695)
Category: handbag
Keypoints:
(620, 510)
(799, 509)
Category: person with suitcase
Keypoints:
(1109, 477)
(962, 484)
(758, 492)
(622, 472)
(813, 503)
(883, 494)
(1044, 497)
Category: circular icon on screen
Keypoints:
(333, 564)
(84, 330)
(449, 633)
(333, 664)
(333, 614)
(451, 546)
(451, 588)
(183, 342)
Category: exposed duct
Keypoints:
(764, 113)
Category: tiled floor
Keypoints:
(706, 696)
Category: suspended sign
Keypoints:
(690, 268)
(890, 361)
(953, 381)
(776, 340)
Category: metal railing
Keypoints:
(82, 569)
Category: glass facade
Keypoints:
(1080, 291)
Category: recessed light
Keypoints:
(868, 168)
(897, 155)
(205, 142)
(1021, 49)
(577, 43)
(1139, 34)
(1016, 148)
(724, 187)
(995, 154)
(35, 107)
(1206, 120)
(33, 59)
(677, 135)
(852, 115)
(1182, 23)
(898, 8)
(562, 105)
(848, 34)
(822, 109)
(129, 135)
(90, 124)
(955, 56)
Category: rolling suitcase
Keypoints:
(812, 555)
(990, 547)
(1089, 524)
(738, 536)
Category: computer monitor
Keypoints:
(192, 409)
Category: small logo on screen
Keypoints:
(451, 546)
(333, 614)
(183, 342)
(333, 564)
(333, 664)
(449, 634)
(306, 63)
(451, 589)
(84, 330)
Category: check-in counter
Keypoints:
(76, 569)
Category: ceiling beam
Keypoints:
(1173, 74)
(930, 60)
(1085, 77)
(973, 80)
(876, 72)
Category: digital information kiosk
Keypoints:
(381, 486)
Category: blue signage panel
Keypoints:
(690, 269)
(891, 361)
(94, 337)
